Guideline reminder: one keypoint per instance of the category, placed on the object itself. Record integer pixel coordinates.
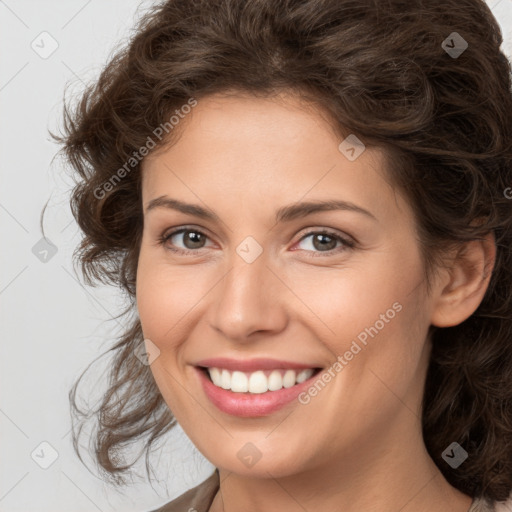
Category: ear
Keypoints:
(465, 283)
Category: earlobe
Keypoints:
(469, 274)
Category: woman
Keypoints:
(308, 206)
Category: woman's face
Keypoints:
(261, 279)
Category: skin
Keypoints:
(357, 445)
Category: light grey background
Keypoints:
(51, 325)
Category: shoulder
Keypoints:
(197, 499)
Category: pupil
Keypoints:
(194, 238)
(322, 237)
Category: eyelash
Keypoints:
(347, 244)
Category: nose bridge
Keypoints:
(247, 297)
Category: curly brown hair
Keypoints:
(386, 71)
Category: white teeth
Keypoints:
(214, 375)
(304, 375)
(225, 380)
(258, 382)
(275, 381)
(239, 382)
(289, 379)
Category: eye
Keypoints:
(325, 241)
(193, 239)
(320, 242)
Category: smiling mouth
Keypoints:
(257, 382)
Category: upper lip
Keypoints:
(250, 365)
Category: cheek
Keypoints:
(164, 297)
(170, 300)
(158, 304)
(164, 293)
(348, 299)
(373, 314)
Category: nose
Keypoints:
(250, 299)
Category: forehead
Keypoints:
(249, 150)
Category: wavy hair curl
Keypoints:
(379, 68)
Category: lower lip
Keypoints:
(250, 405)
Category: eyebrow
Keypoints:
(284, 214)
